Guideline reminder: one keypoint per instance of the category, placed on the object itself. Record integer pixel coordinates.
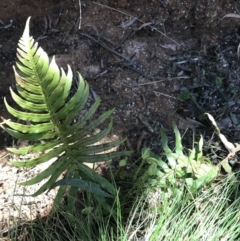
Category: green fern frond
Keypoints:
(48, 116)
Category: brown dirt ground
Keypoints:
(136, 55)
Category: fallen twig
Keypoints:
(140, 140)
(145, 122)
(80, 14)
(105, 46)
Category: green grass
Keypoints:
(156, 201)
(212, 214)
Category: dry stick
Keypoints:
(106, 47)
(5, 156)
(225, 162)
(128, 64)
(169, 96)
(80, 14)
(145, 122)
(140, 140)
(164, 79)
(118, 54)
(72, 26)
(129, 15)
(144, 101)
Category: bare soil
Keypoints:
(138, 56)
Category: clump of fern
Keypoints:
(175, 171)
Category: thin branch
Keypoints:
(80, 14)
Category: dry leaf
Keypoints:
(226, 143)
(94, 94)
(173, 47)
(128, 23)
(213, 122)
(224, 140)
(231, 15)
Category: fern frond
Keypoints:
(48, 112)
